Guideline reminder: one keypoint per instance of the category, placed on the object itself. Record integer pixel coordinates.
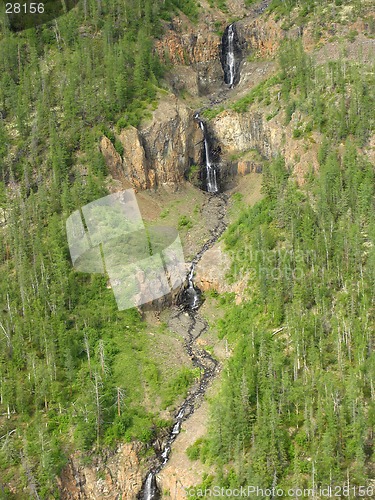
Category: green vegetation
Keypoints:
(220, 4)
(259, 93)
(193, 172)
(184, 222)
(178, 386)
(74, 371)
(337, 97)
(310, 8)
(196, 450)
(296, 403)
(188, 7)
(211, 113)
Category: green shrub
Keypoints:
(193, 452)
(211, 113)
(119, 147)
(297, 133)
(178, 386)
(193, 170)
(184, 222)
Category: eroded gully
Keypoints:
(185, 317)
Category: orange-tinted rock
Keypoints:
(134, 160)
(112, 158)
(113, 477)
(160, 151)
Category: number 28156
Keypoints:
(26, 8)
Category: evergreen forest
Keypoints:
(294, 405)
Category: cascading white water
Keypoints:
(165, 454)
(230, 56)
(181, 413)
(200, 358)
(150, 491)
(191, 289)
(176, 428)
(211, 173)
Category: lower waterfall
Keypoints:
(192, 295)
(211, 168)
(151, 491)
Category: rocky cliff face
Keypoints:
(242, 131)
(160, 151)
(171, 141)
(195, 51)
(259, 37)
(211, 271)
(239, 132)
(197, 48)
(116, 476)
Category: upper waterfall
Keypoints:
(229, 56)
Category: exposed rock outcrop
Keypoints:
(135, 166)
(236, 132)
(112, 158)
(211, 271)
(171, 141)
(260, 37)
(199, 49)
(248, 167)
(243, 131)
(115, 476)
(160, 152)
(188, 47)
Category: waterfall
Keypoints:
(228, 56)
(181, 413)
(191, 293)
(150, 491)
(165, 454)
(190, 300)
(211, 169)
(176, 428)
